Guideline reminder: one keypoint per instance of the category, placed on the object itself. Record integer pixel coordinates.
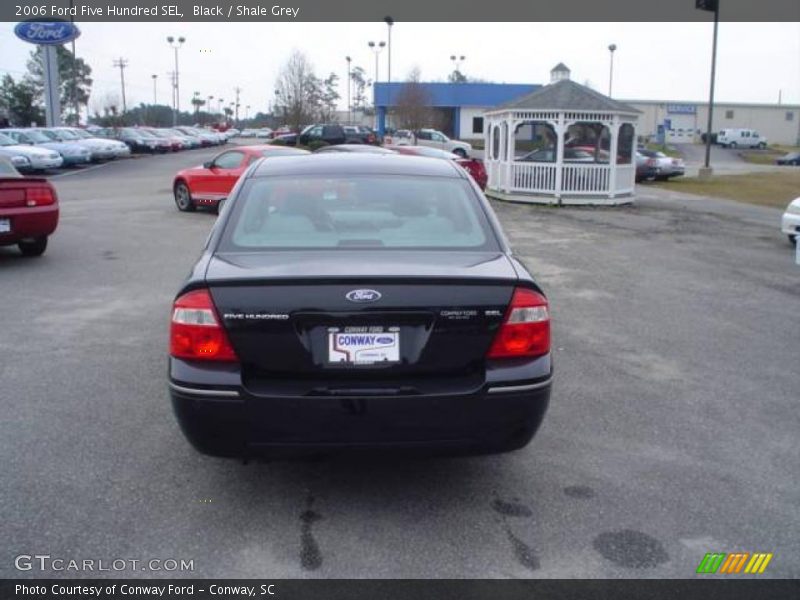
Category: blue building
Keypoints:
(458, 107)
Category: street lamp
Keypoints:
(611, 49)
(457, 60)
(389, 22)
(710, 6)
(246, 112)
(349, 106)
(219, 105)
(175, 45)
(376, 49)
(155, 98)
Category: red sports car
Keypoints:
(210, 183)
(28, 210)
(473, 166)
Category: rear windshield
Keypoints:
(377, 212)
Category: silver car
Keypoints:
(99, 150)
(72, 153)
(40, 159)
(120, 149)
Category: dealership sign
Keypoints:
(682, 109)
(52, 33)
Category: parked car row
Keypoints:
(41, 149)
(165, 139)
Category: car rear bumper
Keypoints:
(233, 422)
(790, 224)
(28, 223)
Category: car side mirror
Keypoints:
(208, 164)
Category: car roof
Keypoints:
(259, 148)
(356, 163)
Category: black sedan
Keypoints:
(792, 158)
(358, 301)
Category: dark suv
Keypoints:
(330, 134)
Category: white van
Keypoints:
(744, 138)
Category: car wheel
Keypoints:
(460, 152)
(732, 145)
(793, 239)
(221, 205)
(35, 247)
(183, 198)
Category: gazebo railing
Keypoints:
(532, 177)
(585, 179)
(576, 178)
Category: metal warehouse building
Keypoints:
(460, 107)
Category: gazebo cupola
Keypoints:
(576, 146)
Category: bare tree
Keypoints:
(413, 110)
(297, 91)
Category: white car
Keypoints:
(744, 138)
(790, 223)
(436, 139)
(264, 132)
(40, 159)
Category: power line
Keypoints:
(121, 63)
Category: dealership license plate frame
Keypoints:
(363, 345)
(5, 225)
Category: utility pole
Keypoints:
(74, 72)
(710, 6)
(236, 107)
(121, 63)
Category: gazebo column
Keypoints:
(560, 127)
(612, 160)
(511, 148)
(504, 156)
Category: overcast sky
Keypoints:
(659, 61)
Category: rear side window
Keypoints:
(377, 212)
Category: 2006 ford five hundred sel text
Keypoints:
(358, 301)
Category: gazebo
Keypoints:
(579, 146)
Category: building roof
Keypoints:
(568, 95)
(560, 67)
(456, 94)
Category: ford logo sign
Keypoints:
(52, 33)
(363, 295)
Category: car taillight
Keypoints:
(39, 196)
(526, 328)
(195, 331)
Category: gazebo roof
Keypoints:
(567, 95)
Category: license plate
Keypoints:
(5, 225)
(365, 346)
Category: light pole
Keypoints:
(376, 49)
(611, 49)
(175, 45)
(155, 93)
(457, 60)
(389, 22)
(710, 6)
(219, 105)
(349, 106)
(247, 112)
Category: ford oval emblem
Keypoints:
(363, 295)
(48, 33)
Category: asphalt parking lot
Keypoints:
(672, 430)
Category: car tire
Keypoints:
(793, 239)
(460, 152)
(33, 248)
(221, 205)
(183, 198)
(762, 146)
(732, 145)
